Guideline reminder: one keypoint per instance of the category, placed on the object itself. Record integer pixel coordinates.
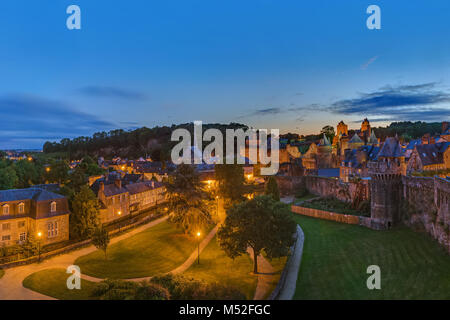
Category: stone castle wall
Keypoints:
(426, 207)
(420, 203)
(321, 186)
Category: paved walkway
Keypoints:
(192, 258)
(266, 275)
(11, 287)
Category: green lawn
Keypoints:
(52, 282)
(154, 251)
(336, 256)
(333, 205)
(215, 266)
(2, 272)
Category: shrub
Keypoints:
(183, 288)
(129, 290)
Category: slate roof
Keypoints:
(131, 178)
(143, 186)
(110, 188)
(413, 143)
(36, 194)
(432, 153)
(355, 139)
(391, 149)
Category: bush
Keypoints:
(129, 290)
(183, 288)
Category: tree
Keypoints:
(85, 213)
(26, 173)
(230, 179)
(261, 224)
(100, 239)
(272, 189)
(8, 178)
(187, 200)
(57, 171)
(328, 131)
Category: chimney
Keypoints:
(118, 183)
(444, 126)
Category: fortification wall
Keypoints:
(426, 207)
(321, 186)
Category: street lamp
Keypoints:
(119, 213)
(39, 234)
(198, 247)
(217, 197)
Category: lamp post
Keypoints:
(198, 247)
(119, 213)
(217, 197)
(39, 234)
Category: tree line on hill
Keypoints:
(132, 144)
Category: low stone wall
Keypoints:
(326, 215)
(287, 284)
(76, 245)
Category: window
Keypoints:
(6, 238)
(21, 224)
(52, 229)
(6, 226)
(53, 206)
(22, 237)
(5, 210)
(21, 208)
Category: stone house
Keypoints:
(33, 210)
(144, 195)
(114, 199)
(429, 157)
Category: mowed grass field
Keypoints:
(215, 266)
(336, 257)
(156, 250)
(52, 282)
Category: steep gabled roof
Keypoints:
(373, 138)
(391, 149)
(429, 154)
(355, 139)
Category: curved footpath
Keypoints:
(11, 284)
(11, 287)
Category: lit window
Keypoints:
(6, 226)
(6, 210)
(53, 206)
(52, 229)
(21, 208)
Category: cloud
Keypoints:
(35, 119)
(398, 103)
(368, 63)
(111, 92)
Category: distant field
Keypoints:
(215, 266)
(156, 250)
(336, 256)
(52, 282)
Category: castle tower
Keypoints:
(386, 185)
(365, 128)
(342, 129)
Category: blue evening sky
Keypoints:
(293, 65)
